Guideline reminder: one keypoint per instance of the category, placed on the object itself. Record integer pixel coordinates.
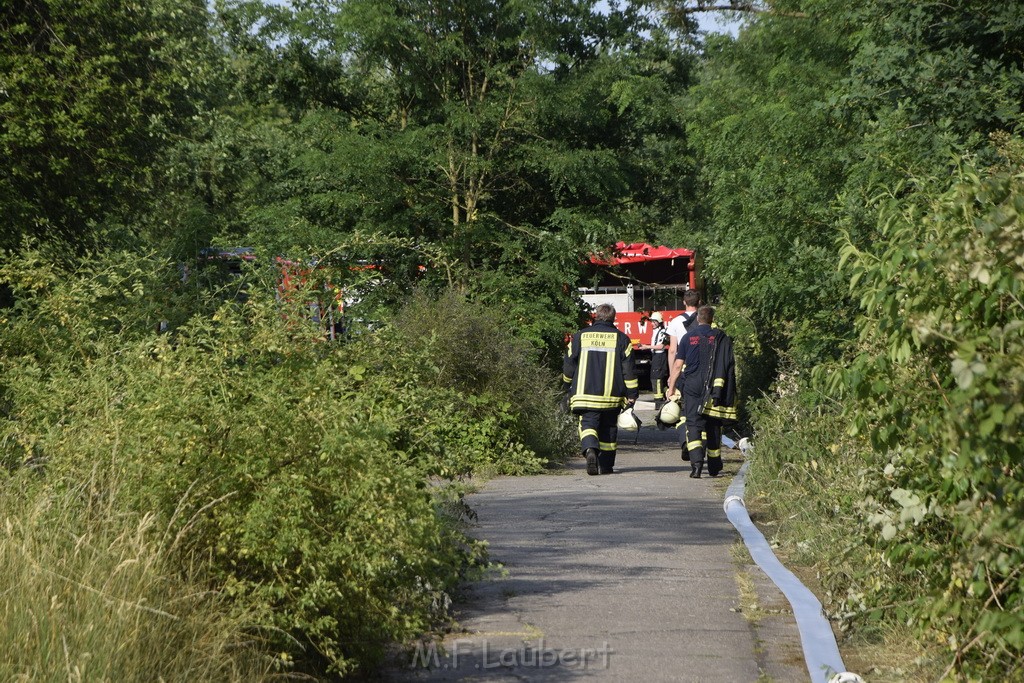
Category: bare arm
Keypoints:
(677, 367)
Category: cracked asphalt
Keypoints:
(633, 576)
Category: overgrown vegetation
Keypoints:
(306, 481)
(93, 591)
(894, 468)
(849, 173)
(938, 391)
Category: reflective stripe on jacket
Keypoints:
(598, 369)
(722, 396)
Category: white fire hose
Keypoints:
(821, 654)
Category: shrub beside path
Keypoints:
(634, 576)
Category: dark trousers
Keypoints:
(659, 373)
(599, 430)
(703, 433)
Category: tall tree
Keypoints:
(513, 136)
(773, 157)
(928, 81)
(89, 93)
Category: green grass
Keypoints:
(89, 592)
(805, 490)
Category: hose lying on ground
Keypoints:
(821, 654)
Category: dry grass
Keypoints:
(893, 655)
(888, 654)
(88, 592)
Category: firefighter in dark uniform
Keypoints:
(659, 358)
(697, 357)
(598, 374)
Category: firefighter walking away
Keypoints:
(599, 377)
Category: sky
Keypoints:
(716, 22)
(713, 22)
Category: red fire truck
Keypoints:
(639, 279)
(323, 301)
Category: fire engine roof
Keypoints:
(639, 252)
(243, 253)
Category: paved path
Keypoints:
(634, 576)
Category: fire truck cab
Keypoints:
(639, 279)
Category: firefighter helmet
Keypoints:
(628, 420)
(670, 413)
(657, 316)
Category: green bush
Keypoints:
(470, 350)
(902, 484)
(807, 483)
(809, 477)
(308, 476)
(938, 388)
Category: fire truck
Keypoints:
(322, 300)
(639, 279)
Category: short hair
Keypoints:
(605, 313)
(705, 315)
(691, 298)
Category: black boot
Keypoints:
(591, 455)
(606, 461)
(696, 469)
(714, 467)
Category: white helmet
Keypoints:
(657, 316)
(670, 413)
(628, 420)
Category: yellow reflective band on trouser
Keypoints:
(721, 412)
(632, 383)
(714, 453)
(719, 383)
(566, 380)
(693, 445)
(595, 402)
(584, 432)
(607, 446)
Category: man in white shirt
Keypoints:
(676, 329)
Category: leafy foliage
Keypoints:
(772, 161)
(508, 140)
(477, 150)
(296, 469)
(887, 91)
(939, 390)
(89, 93)
(475, 355)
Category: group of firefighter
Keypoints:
(692, 362)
